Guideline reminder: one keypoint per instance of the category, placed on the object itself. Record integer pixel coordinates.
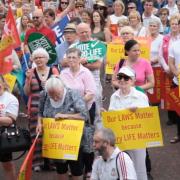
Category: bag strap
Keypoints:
(21, 155)
(122, 163)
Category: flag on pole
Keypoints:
(10, 40)
(11, 30)
(26, 168)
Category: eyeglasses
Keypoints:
(36, 17)
(131, 7)
(64, 3)
(125, 33)
(41, 57)
(163, 14)
(120, 77)
(150, 5)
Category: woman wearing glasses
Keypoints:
(34, 84)
(127, 97)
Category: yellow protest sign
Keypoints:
(115, 52)
(11, 80)
(61, 139)
(135, 130)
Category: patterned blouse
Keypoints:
(73, 103)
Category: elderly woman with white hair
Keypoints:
(156, 41)
(34, 84)
(60, 102)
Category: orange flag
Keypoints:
(25, 172)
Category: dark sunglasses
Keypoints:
(64, 3)
(36, 17)
(131, 7)
(98, 8)
(120, 77)
(163, 14)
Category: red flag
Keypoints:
(6, 64)
(26, 168)
(11, 30)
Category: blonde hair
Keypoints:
(121, 3)
(128, 29)
(135, 14)
(174, 17)
(123, 22)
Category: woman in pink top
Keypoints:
(142, 68)
(78, 77)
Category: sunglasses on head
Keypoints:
(122, 76)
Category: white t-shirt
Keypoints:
(114, 19)
(134, 99)
(9, 104)
(155, 47)
(107, 170)
(174, 53)
(172, 10)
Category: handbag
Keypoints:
(14, 139)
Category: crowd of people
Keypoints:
(71, 85)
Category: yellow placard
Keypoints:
(11, 80)
(135, 130)
(115, 52)
(61, 139)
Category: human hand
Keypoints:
(39, 128)
(133, 109)
(28, 74)
(83, 61)
(60, 116)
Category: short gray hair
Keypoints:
(155, 21)
(74, 50)
(54, 82)
(38, 51)
(107, 135)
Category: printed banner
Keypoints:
(166, 84)
(154, 94)
(135, 130)
(173, 99)
(50, 5)
(11, 80)
(115, 52)
(61, 139)
(36, 40)
(58, 28)
(92, 50)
